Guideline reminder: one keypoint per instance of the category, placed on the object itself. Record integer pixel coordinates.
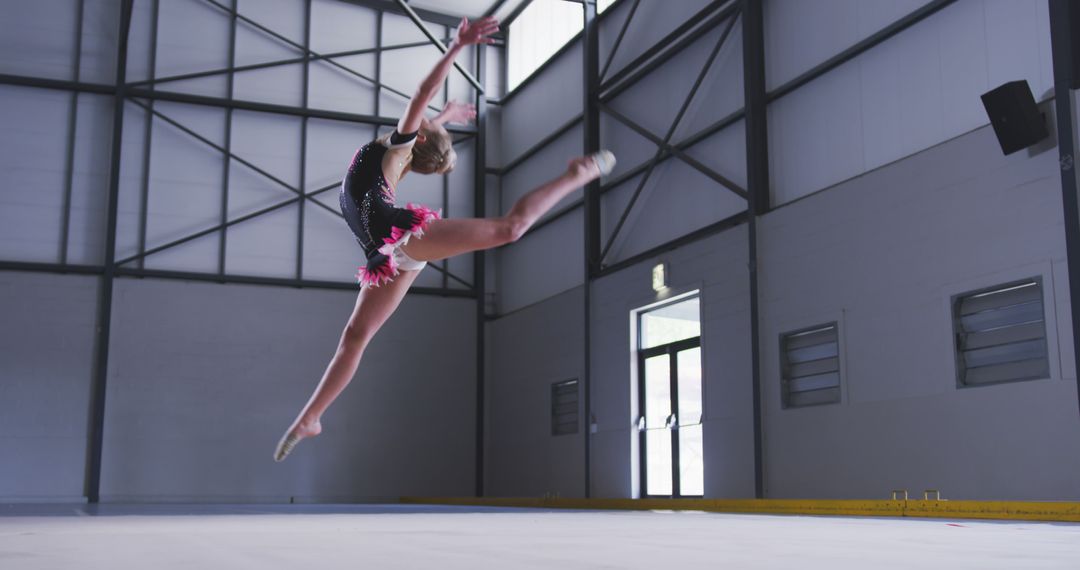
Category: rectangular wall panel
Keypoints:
(334, 89)
(197, 403)
(679, 201)
(651, 23)
(101, 23)
(529, 350)
(181, 52)
(281, 84)
(338, 26)
(542, 264)
(90, 180)
(917, 89)
(547, 102)
(541, 167)
(46, 369)
(34, 146)
(185, 187)
(800, 35)
(655, 100)
(38, 39)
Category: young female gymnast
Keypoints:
(391, 236)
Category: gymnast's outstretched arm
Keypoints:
(468, 33)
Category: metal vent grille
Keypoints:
(1001, 334)
(564, 407)
(810, 364)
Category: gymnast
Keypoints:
(398, 242)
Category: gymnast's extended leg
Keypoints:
(373, 306)
(447, 238)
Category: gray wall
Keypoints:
(46, 366)
(208, 375)
(883, 254)
(917, 89)
(527, 352)
(204, 379)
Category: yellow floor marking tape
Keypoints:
(997, 510)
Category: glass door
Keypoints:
(669, 400)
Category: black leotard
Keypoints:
(367, 202)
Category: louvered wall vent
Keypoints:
(564, 407)
(1001, 334)
(810, 365)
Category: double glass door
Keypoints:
(669, 400)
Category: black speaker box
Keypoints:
(1015, 117)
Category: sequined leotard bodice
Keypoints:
(367, 202)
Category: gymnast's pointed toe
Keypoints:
(285, 446)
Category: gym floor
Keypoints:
(166, 537)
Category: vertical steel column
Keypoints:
(73, 115)
(1062, 39)
(148, 132)
(378, 61)
(303, 143)
(479, 259)
(591, 118)
(446, 177)
(97, 412)
(757, 185)
(228, 141)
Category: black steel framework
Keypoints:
(108, 276)
(602, 85)
(757, 176)
(591, 119)
(600, 89)
(480, 267)
(144, 94)
(1063, 39)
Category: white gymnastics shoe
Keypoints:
(605, 161)
(285, 446)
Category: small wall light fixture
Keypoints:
(659, 277)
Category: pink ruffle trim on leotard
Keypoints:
(382, 267)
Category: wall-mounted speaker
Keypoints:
(1017, 121)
